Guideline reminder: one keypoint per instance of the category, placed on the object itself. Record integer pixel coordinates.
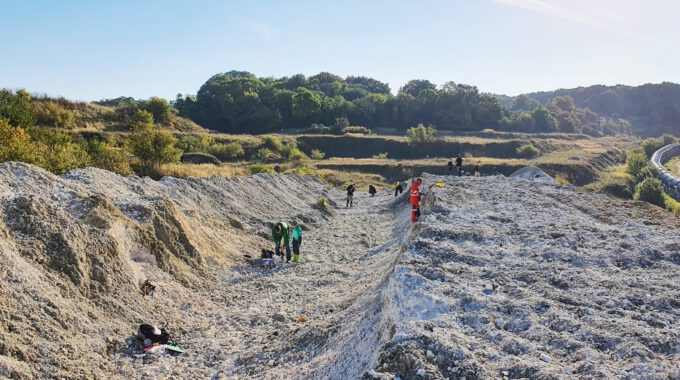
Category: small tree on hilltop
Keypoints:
(151, 145)
(422, 134)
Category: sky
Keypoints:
(90, 50)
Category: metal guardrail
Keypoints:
(671, 183)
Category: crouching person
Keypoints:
(296, 236)
(280, 235)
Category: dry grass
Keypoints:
(203, 170)
(343, 179)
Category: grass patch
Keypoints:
(671, 204)
(201, 170)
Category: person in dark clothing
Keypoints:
(398, 189)
(459, 165)
(372, 190)
(450, 167)
(350, 195)
(281, 234)
(477, 173)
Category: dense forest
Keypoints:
(240, 102)
(652, 109)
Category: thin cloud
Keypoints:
(261, 31)
(607, 21)
(546, 8)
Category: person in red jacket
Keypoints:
(416, 196)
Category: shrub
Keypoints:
(151, 145)
(274, 143)
(261, 168)
(636, 161)
(200, 158)
(650, 190)
(651, 145)
(159, 108)
(421, 134)
(317, 154)
(381, 156)
(16, 145)
(320, 129)
(527, 151)
(195, 143)
(323, 204)
(356, 129)
(266, 155)
(228, 151)
(50, 113)
(60, 153)
(291, 152)
(105, 156)
(16, 108)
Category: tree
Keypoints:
(306, 104)
(543, 120)
(421, 134)
(415, 86)
(524, 103)
(371, 85)
(151, 145)
(564, 103)
(160, 109)
(16, 108)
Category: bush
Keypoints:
(105, 156)
(266, 155)
(316, 154)
(16, 108)
(228, 151)
(199, 158)
(60, 153)
(650, 190)
(261, 168)
(651, 145)
(159, 108)
(356, 129)
(381, 156)
(323, 204)
(52, 114)
(320, 129)
(527, 151)
(274, 143)
(16, 145)
(291, 152)
(151, 145)
(636, 161)
(422, 134)
(195, 143)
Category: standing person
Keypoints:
(350, 195)
(281, 234)
(372, 190)
(477, 173)
(398, 189)
(450, 167)
(415, 195)
(459, 165)
(296, 236)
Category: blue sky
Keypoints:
(89, 50)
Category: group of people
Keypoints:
(283, 235)
(459, 167)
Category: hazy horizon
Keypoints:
(87, 51)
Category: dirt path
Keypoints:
(250, 327)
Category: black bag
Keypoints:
(267, 254)
(147, 332)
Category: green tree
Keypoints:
(306, 104)
(636, 161)
(151, 145)
(650, 190)
(16, 108)
(415, 86)
(160, 109)
(543, 120)
(421, 134)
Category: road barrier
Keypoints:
(671, 183)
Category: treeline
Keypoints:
(240, 102)
(25, 109)
(652, 109)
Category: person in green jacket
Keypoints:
(280, 234)
(296, 236)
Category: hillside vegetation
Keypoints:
(240, 102)
(651, 109)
